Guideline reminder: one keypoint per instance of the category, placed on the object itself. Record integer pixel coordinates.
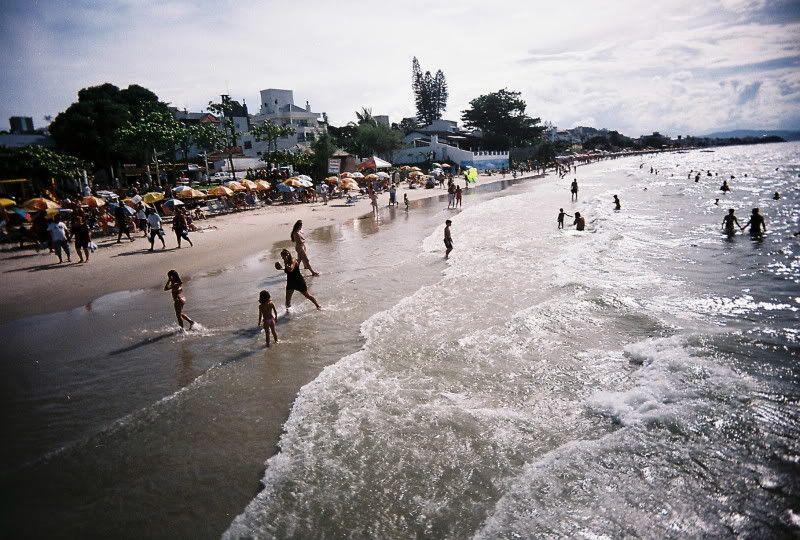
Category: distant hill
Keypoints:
(738, 133)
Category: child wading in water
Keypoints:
(267, 311)
(175, 285)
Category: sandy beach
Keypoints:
(222, 241)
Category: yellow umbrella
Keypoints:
(405, 168)
(153, 196)
(40, 203)
(345, 175)
(249, 184)
(7, 202)
(220, 191)
(235, 186)
(293, 182)
(348, 183)
(332, 180)
(371, 177)
(263, 185)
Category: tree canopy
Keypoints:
(38, 163)
(501, 117)
(430, 93)
(87, 128)
(270, 131)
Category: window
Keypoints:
(310, 136)
(248, 145)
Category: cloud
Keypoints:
(630, 65)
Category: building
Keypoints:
(278, 106)
(382, 120)
(433, 150)
(21, 125)
(446, 131)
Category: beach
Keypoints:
(603, 382)
(223, 241)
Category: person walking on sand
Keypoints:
(458, 197)
(294, 279)
(82, 235)
(121, 221)
(729, 221)
(405, 200)
(579, 222)
(374, 198)
(175, 285)
(560, 218)
(300, 246)
(756, 223)
(267, 312)
(448, 239)
(141, 219)
(393, 195)
(181, 227)
(156, 229)
(58, 235)
(574, 190)
(451, 195)
(617, 205)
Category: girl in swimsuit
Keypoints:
(294, 279)
(267, 311)
(300, 246)
(175, 285)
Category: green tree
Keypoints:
(345, 137)
(271, 132)
(375, 139)
(87, 128)
(40, 165)
(430, 93)
(501, 117)
(154, 132)
(323, 149)
(407, 125)
(224, 109)
(365, 117)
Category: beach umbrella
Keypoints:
(436, 165)
(40, 203)
(284, 188)
(249, 184)
(416, 169)
(382, 174)
(153, 196)
(54, 211)
(306, 183)
(5, 203)
(405, 168)
(107, 194)
(305, 177)
(332, 180)
(179, 189)
(472, 174)
(446, 165)
(293, 182)
(21, 212)
(172, 203)
(263, 185)
(348, 183)
(93, 202)
(190, 194)
(345, 174)
(220, 191)
(235, 186)
(356, 175)
(437, 171)
(371, 177)
(128, 210)
(374, 163)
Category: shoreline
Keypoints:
(221, 242)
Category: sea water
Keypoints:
(637, 379)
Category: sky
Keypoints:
(676, 66)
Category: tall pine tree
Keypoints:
(430, 93)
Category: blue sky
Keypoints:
(678, 66)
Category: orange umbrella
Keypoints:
(220, 191)
(235, 186)
(94, 202)
(190, 194)
(332, 180)
(293, 182)
(263, 185)
(40, 203)
(345, 175)
(249, 184)
(371, 177)
(348, 183)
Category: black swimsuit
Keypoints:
(295, 280)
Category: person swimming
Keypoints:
(580, 222)
(756, 223)
(777, 196)
(725, 188)
(729, 221)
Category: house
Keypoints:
(434, 150)
(447, 132)
(278, 106)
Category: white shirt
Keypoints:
(58, 231)
(154, 220)
(141, 214)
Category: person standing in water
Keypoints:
(267, 312)
(405, 200)
(725, 188)
(574, 190)
(448, 239)
(729, 221)
(756, 223)
(560, 218)
(579, 222)
(374, 198)
(294, 279)
(617, 205)
(300, 245)
(175, 285)
(458, 197)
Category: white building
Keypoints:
(278, 107)
(433, 150)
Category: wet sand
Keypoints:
(222, 242)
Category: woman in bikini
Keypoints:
(300, 246)
(294, 279)
(175, 285)
(267, 312)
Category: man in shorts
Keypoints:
(448, 239)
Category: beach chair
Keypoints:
(351, 199)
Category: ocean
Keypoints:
(637, 379)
